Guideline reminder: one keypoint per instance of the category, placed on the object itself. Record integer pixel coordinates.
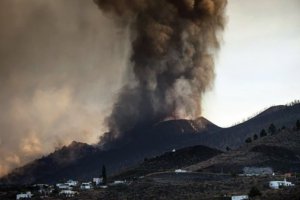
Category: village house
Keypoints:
(240, 197)
(97, 181)
(118, 182)
(71, 183)
(86, 186)
(180, 171)
(26, 195)
(68, 193)
(277, 184)
(63, 186)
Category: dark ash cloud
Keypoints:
(172, 63)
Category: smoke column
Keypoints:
(172, 61)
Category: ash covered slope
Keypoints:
(280, 152)
(170, 161)
(82, 161)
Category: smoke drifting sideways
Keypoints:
(174, 43)
(58, 59)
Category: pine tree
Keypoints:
(104, 175)
(255, 137)
(298, 125)
(272, 129)
(263, 133)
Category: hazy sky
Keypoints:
(259, 63)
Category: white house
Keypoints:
(63, 186)
(71, 183)
(277, 184)
(180, 171)
(26, 195)
(97, 181)
(240, 197)
(86, 186)
(68, 193)
(44, 188)
(118, 182)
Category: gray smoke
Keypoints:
(59, 67)
(172, 63)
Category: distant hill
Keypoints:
(82, 161)
(235, 136)
(280, 151)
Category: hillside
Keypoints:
(170, 161)
(280, 151)
(235, 136)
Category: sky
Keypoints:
(259, 63)
(62, 64)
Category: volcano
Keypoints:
(82, 161)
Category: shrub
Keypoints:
(272, 129)
(254, 192)
(248, 140)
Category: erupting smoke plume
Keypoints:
(172, 62)
(55, 71)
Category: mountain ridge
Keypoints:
(82, 161)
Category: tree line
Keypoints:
(271, 131)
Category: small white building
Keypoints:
(68, 193)
(26, 195)
(118, 182)
(240, 197)
(86, 186)
(63, 186)
(277, 184)
(71, 183)
(97, 181)
(180, 171)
